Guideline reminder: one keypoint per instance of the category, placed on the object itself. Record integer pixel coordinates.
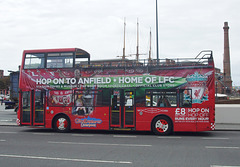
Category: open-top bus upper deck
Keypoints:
(78, 58)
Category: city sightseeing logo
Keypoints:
(196, 77)
(88, 122)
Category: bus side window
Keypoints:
(163, 102)
(161, 98)
(186, 98)
(160, 102)
(148, 100)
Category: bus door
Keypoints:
(32, 111)
(39, 106)
(25, 108)
(122, 113)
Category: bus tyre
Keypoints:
(61, 124)
(162, 125)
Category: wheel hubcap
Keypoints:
(161, 125)
(62, 124)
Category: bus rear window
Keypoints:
(34, 61)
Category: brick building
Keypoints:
(226, 61)
(223, 81)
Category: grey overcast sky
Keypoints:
(186, 27)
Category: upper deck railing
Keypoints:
(74, 59)
(204, 58)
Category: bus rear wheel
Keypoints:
(61, 124)
(162, 125)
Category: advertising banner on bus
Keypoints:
(60, 98)
(196, 80)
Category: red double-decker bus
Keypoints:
(64, 90)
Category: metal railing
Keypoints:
(204, 58)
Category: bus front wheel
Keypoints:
(162, 125)
(61, 124)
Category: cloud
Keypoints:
(185, 28)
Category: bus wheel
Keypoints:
(162, 125)
(61, 124)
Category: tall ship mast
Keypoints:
(124, 40)
(150, 49)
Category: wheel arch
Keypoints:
(61, 114)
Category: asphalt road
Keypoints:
(24, 146)
(227, 116)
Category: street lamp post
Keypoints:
(157, 32)
(216, 90)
